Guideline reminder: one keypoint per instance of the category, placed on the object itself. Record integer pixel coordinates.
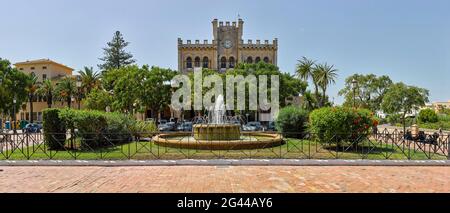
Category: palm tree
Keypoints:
(31, 86)
(66, 89)
(89, 78)
(326, 75)
(46, 89)
(305, 71)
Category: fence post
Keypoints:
(448, 147)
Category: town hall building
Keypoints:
(225, 50)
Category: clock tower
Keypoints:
(226, 50)
(227, 37)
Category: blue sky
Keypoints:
(409, 40)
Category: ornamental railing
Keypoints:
(381, 145)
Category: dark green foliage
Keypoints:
(338, 124)
(115, 55)
(54, 129)
(292, 122)
(98, 129)
(428, 116)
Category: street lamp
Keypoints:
(354, 86)
(14, 113)
(79, 91)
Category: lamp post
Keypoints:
(79, 91)
(14, 113)
(354, 86)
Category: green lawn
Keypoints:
(292, 149)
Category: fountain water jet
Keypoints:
(217, 127)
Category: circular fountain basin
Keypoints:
(211, 132)
(247, 140)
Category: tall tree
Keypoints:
(12, 85)
(32, 86)
(155, 94)
(114, 55)
(125, 85)
(66, 89)
(89, 78)
(325, 75)
(403, 99)
(368, 93)
(305, 70)
(46, 90)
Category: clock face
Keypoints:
(227, 44)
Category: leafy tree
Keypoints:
(12, 84)
(369, 92)
(46, 89)
(66, 89)
(428, 116)
(289, 86)
(114, 55)
(126, 87)
(98, 99)
(404, 99)
(155, 94)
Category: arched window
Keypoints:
(231, 62)
(205, 62)
(223, 62)
(197, 62)
(257, 60)
(266, 60)
(249, 60)
(189, 63)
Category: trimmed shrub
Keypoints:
(54, 129)
(428, 116)
(339, 124)
(292, 122)
(98, 129)
(141, 129)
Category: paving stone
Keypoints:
(223, 178)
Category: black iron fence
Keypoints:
(392, 145)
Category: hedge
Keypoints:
(428, 116)
(292, 122)
(94, 128)
(339, 124)
(54, 130)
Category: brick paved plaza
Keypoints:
(225, 179)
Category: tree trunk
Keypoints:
(31, 108)
(49, 100)
(324, 91)
(316, 88)
(69, 100)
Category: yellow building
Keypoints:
(225, 50)
(439, 105)
(43, 69)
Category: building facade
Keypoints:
(226, 49)
(43, 69)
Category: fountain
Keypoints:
(217, 128)
(219, 132)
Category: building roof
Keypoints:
(42, 61)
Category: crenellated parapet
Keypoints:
(258, 44)
(193, 44)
